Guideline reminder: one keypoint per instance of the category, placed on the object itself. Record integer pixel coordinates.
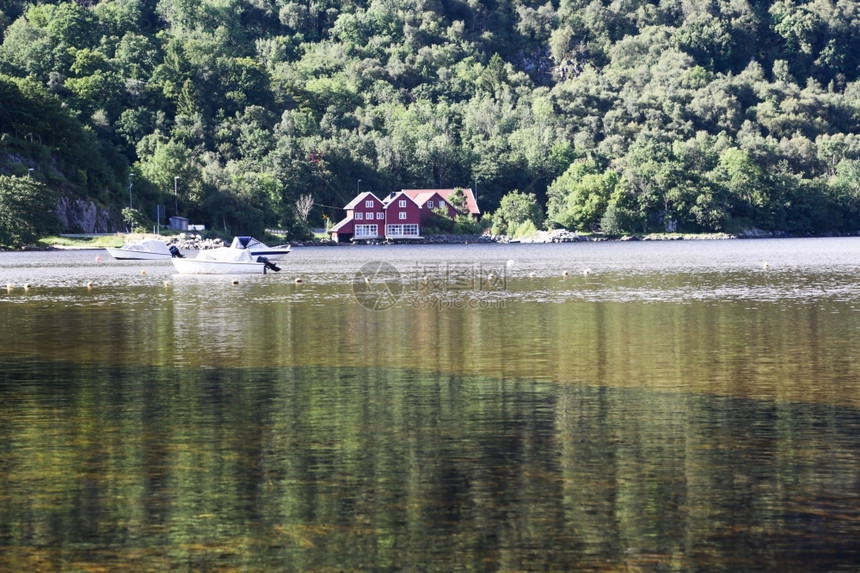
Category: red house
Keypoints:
(400, 216)
(430, 201)
(431, 198)
(403, 217)
(365, 219)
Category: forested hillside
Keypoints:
(625, 115)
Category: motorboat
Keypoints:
(146, 249)
(260, 249)
(224, 261)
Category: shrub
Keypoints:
(27, 211)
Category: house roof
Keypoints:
(360, 198)
(393, 196)
(471, 202)
(341, 225)
(424, 196)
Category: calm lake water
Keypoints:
(641, 406)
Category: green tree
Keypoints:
(403, 94)
(161, 159)
(514, 210)
(27, 211)
(578, 198)
(746, 186)
(653, 176)
(27, 48)
(845, 189)
(135, 221)
(458, 201)
(622, 213)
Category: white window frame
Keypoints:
(359, 216)
(366, 231)
(401, 203)
(407, 230)
(402, 215)
(369, 203)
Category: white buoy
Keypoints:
(532, 274)
(10, 286)
(586, 272)
(27, 286)
(510, 263)
(300, 281)
(564, 273)
(91, 284)
(235, 282)
(766, 265)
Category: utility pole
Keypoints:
(130, 177)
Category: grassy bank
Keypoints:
(99, 241)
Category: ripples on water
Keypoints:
(626, 272)
(683, 406)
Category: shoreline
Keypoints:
(542, 237)
(561, 236)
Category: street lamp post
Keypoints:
(358, 187)
(130, 177)
(175, 197)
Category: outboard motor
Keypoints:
(174, 252)
(268, 264)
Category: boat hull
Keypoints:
(198, 267)
(273, 254)
(129, 255)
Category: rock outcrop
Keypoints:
(77, 215)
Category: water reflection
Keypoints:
(316, 468)
(681, 407)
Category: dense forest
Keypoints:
(618, 115)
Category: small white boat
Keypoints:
(259, 249)
(147, 249)
(224, 261)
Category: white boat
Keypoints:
(224, 261)
(260, 249)
(147, 249)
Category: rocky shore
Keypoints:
(565, 236)
(196, 241)
(193, 242)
